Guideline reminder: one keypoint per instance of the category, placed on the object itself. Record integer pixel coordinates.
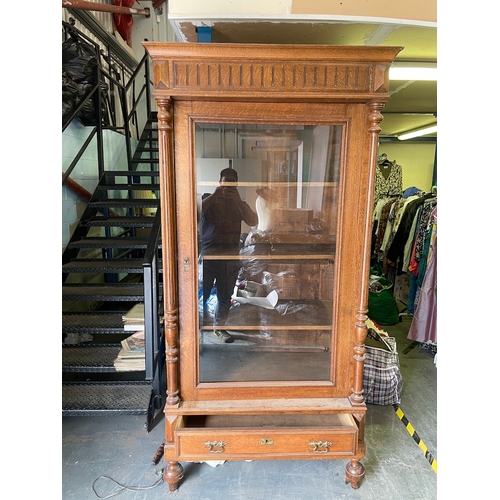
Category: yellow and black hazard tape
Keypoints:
(416, 437)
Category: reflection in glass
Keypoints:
(267, 203)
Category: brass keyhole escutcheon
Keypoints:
(266, 441)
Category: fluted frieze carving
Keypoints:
(270, 77)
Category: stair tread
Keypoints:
(90, 358)
(150, 136)
(135, 202)
(130, 186)
(104, 265)
(124, 222)
(94, 398)
(104, 285)
(98, 291)
(93, 322)
(132, 173)
(110, 242)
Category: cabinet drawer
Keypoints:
(225, 437)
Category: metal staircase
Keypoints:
(112, 262)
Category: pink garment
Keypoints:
(423, 327)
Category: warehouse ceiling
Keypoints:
(412, 104)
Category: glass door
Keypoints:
(267, 198)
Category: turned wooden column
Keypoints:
(173, 473)
(374, 119)
(168, 223)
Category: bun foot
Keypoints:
(172, 474)
(354, 473)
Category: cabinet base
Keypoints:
(174, 472)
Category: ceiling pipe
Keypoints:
(115, 9)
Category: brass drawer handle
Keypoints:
(320, 444)
(215, 444)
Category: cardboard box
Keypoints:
(293, 215)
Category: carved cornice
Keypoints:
(307, 71)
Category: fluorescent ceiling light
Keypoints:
(418, 133)
(413, 71)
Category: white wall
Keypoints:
(416, 160)
(156, 28)
(86, 171)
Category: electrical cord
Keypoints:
(127, 488)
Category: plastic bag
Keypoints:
(382, 307)
(79, 64)
(79, 59)
(69, 96)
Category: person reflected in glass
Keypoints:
(222, 214)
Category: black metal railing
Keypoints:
(137, 86)
(130, 115)
(125, 82)
(152, 294)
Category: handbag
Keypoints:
(382, 380)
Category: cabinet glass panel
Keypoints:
(267, 220)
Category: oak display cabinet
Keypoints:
(300, 125)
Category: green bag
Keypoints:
(382, 307)
(376, 270)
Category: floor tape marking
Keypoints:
(416, 437)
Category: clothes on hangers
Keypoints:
(395, 217)
(408, 250)
(408, 253)
(388, 178)
(424, 325)
(412, 191)
(420, 255)
(396, 249)
(382, 212)
(425, 213)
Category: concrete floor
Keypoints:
(103, 455)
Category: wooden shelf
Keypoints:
(251, 317)
(273, 251)
(268, 184)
